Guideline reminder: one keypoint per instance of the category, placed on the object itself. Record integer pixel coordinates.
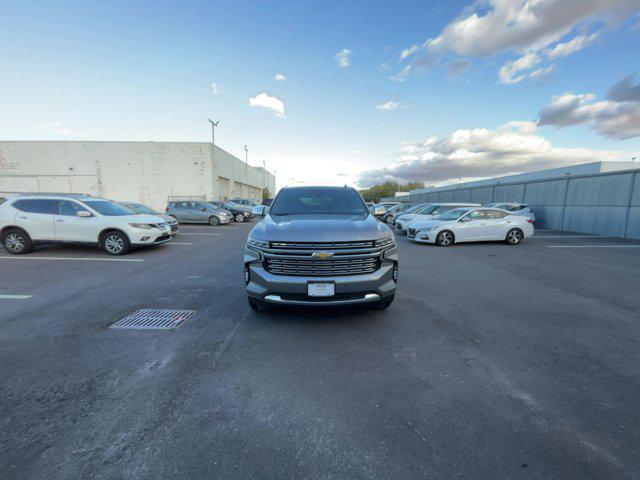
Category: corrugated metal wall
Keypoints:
(600, 204)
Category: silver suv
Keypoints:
(320, 246)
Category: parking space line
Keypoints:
(180, 243)
(570, 236)
(206, 234)
(83, 259)
(593, 246)
(15, 297)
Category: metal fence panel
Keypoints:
(635, 199)
(509, 193)
(633, 226)
(609, 190)
(597, 220)
(545, 193)
(463, 195)
(482, 195)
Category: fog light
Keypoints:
(144, 239)
(395, 272)
(247, 277)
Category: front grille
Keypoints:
(174, 228)
(345, 258)
(314, 268)
(301, 297)
(162, 238)
(412, 232)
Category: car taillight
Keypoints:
(529, 220)
(166, 209)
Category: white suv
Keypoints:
(29, 219)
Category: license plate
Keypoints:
(321, 289)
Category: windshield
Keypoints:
(141, 209)
(109, 209)
(453, 214)
(413, 209)
(339, 201)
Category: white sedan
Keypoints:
(471, 225)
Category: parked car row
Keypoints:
(116, 228)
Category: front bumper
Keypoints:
(421, 237)
(152, 236)
(224, 219)
(400, 228)
(349, 289)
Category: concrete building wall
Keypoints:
(145, 172)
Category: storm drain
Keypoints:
(154, 319)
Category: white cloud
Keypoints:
(572, 46)
(509, 71)
(56, 128)
(215, 88)
(408, 52)
(617, 117)
(279, 77)
(392, 105)
(520, 26)
(264, 100)
(343, 58)
(402, 75)
(511, 148)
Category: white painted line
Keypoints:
(593, 246)
(570, 236)
(179, 243)
(222, 227)
(206, 234)
(15, 297)
(83, 259)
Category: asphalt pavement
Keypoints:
(494, 362)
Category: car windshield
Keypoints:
(339, 201)
(141, 209)
(453, 214)
(413, 209)
(109, 209)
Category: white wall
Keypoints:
(145, 172)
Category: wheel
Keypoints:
(115, 243)
(383, 304)
(445, 238)
(389, 220)
(257, 305)
(514, 236)
(176, 219)
(17, 241)
(239, 218)
(214, 221)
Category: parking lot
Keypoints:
(494, 362)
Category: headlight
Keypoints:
(252, 242)
(385, 242)
(142, 226)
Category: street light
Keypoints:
(246, 162)
(213, 130)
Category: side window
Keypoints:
(42, 206)
(478, 215)
(182, 205)
(70, 208)
(20, 205)
(495, 214)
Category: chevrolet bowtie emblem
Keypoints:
(322, 255)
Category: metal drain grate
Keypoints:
(154, 319)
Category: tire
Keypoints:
(445, 238)
(388, 220)
(115, 243)
(257, 305)
(383, 304)
(16, 241)
(238, 217)
(514, 237)
(214, 221)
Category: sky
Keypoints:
(334, 92)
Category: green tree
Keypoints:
(388, 189)
(265, 193)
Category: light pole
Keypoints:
(213, 130)
(246, 162)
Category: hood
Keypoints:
(320, 228)
(419, 224)
(143, 218)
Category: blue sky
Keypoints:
(144, 71)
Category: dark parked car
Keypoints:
(239, 214)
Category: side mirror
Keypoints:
(259, 211)
(465, 219)
(379, 211)
(83, 214)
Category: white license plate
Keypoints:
(321, 289)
